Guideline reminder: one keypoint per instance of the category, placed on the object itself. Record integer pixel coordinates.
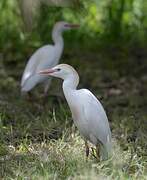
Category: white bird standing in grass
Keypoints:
(45, 57)
(87, 112)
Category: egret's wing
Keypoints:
(95, 116)
(42, 58)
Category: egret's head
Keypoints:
(62, 71)
(62, 26)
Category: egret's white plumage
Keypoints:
(87, 112)
(30, 8)
(45, 57)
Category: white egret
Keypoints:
(45, 57)
(87, 112)
(31, 8)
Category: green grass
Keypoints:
(64, 159)
(42, 143)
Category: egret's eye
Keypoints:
(66, 25)
(58, 69)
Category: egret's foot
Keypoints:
(93, 152)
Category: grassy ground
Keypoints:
(42, 143)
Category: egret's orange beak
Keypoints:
(47, 71)
(72, 25)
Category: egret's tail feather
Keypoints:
(106, 149)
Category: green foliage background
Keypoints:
(115, 27)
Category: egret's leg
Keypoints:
(46, 86)
(87, 149)
(98, 151)
(29, 94)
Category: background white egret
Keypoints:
(45, 57)
(87, 112)
(31, 8)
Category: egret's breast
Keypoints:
(80, 121)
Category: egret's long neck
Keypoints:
(57, 38)
(70, 84)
